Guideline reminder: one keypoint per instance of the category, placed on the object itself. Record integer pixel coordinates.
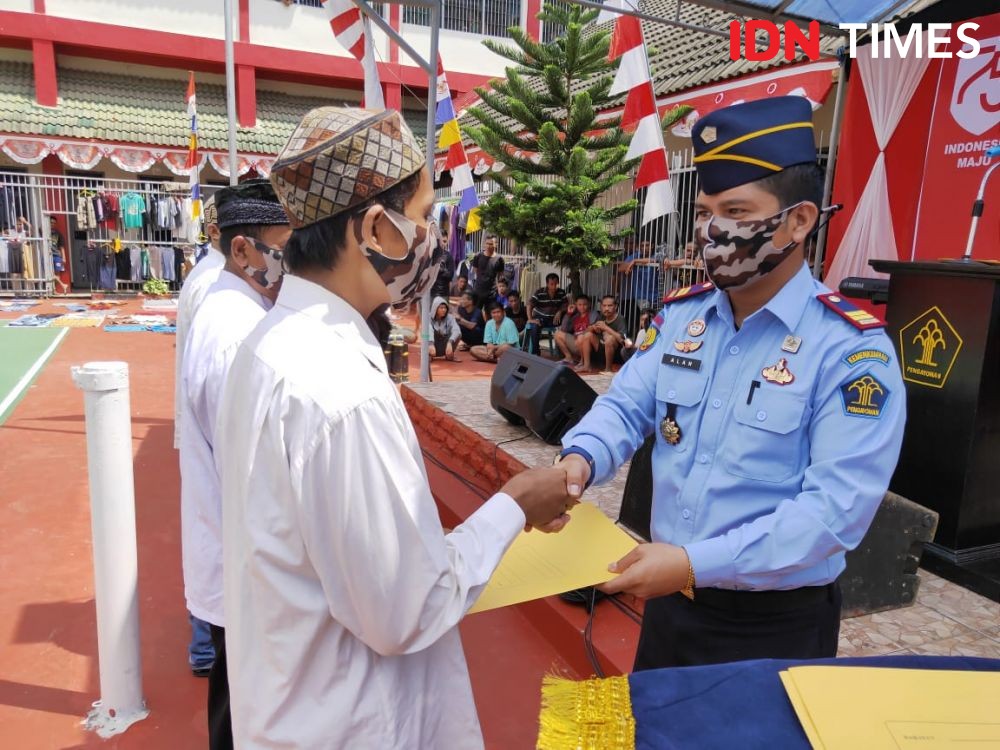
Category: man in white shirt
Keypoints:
(342, 592)
(254, 229)
(206, 272)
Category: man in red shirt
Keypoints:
(574, 331)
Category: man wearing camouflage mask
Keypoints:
(777, 410)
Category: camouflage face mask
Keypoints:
(737, 252)
(408, 277)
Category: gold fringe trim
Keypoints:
(591, 714)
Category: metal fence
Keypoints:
(657, 257)
(117, 234)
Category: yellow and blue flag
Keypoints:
(193, 163)
(450, 138)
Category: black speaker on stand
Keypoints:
(546, 396)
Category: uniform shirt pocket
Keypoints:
(685, 390)
(680, 387)
(766, 441)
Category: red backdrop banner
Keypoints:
(966, 122)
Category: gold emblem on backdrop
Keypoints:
(929, 346)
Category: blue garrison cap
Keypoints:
(747, 142)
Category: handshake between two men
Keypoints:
(546, 496)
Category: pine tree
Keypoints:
(547, 202)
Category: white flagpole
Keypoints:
(231, 93)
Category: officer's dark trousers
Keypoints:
(220, 725)
(722, 626)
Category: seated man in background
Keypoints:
(458, 286)
(546, 308)
(575, 329)
(447, 332)
(608, 334)
(502, 296)
(499, 336)
(470, 319)
(515, 310)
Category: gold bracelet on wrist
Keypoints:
(688, 589)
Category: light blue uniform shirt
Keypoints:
(769, 486)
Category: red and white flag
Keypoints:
(642, 117)
(354, 32)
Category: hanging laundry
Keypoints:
(133, 210)
(86, 219)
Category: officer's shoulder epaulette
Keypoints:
(860, 319)
(684, 292)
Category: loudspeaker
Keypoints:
(637, 500)
(881, 572)
(546, 396)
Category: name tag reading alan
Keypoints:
(687, 363)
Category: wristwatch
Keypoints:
(586, 456)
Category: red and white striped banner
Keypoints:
(354, 32)
(642, 117)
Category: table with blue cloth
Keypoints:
(721, 706)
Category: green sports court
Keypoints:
(23, 353)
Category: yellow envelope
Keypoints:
(539, 565)
(847, 708)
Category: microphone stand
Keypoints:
(977, 207)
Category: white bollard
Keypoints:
(116, 574)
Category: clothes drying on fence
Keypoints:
(123, 264)
(15, 254)
(108, 268)
(167, 263)
(8, 210)
(133, 210)
(86, 216)
(135, 262)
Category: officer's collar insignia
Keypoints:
(684, 292)
(860, 319)
(865, 396)
(779, 373)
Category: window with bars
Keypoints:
(488, 17)
(552, 31)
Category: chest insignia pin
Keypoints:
(696, 327)
(687, 346)
(670, 430)
(791, 344)
(778, 373)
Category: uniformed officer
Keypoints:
(778, 410)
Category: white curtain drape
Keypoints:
(889, 85)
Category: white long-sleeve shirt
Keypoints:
(196, 284)
(342, 593)
(229, 313)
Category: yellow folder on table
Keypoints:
(538, 564)
(848, 708)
